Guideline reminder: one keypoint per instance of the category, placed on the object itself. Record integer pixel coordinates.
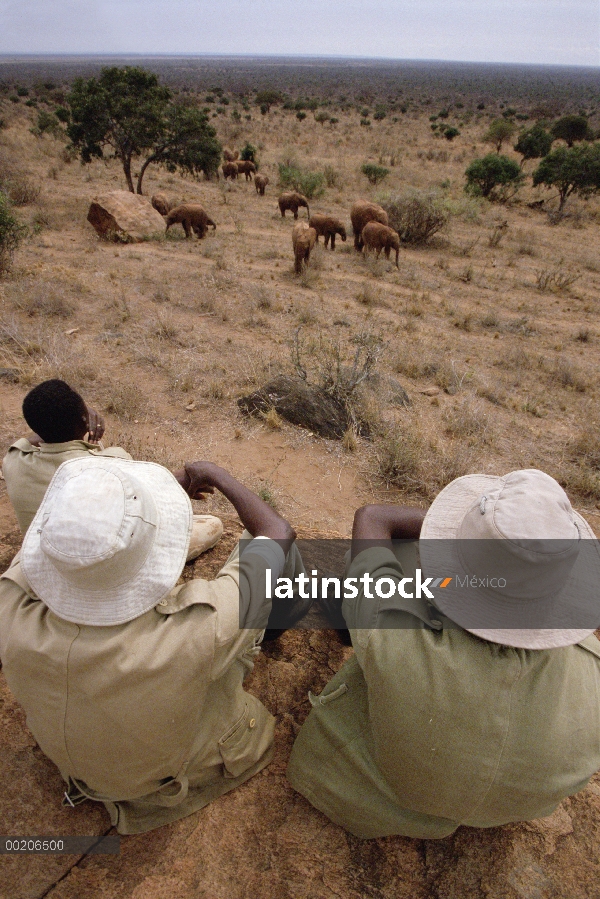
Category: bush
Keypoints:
(47, 123)
(292, 177)
(493, 177)
(11, 234)
(416, 215)
(450, 132)
(374, 173)
(300, 116)
(248, 152)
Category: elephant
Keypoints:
(246, 167)
(303, 240)
(260, 182)
(292, 200)
(163, 204)
(193, 218)
(363, 212)
(230, 170)
(327, 227)
(230, 155)
(378, 237)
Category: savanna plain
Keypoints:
(479, 353)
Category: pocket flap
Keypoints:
(248, 740)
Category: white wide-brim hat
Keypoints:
(109, 540)
(522, 523)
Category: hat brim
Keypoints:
(439, 549)
(156, 577)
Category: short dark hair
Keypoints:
(55, 411)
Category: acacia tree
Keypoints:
(534, 143)
(129, 114)
(499, 131)
(188, 144)
(495, 177)
(574, 170)
(571, 128)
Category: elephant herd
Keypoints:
(370, 223)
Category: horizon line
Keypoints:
(279, 56)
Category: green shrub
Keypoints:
(416, 215)
(380, 112)
(365, 123)
(572, 128)
(450, 132)
(499, 131)
(495, 177)
(248, 152)
(292, 177)
(47, 123)
(11, 233)
(374, 173)
(300, 116)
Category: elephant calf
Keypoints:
(378, 237)
(260, 182)
(327, 227)
(363, 212)
(246, 167)
(193, 218)
(303, 240)
(164, 204)
(230, 170)
(292, 200)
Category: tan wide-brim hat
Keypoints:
(524, 522)
(109, 540)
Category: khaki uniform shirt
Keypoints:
(28, 470)
(149, 717)
(427, 729)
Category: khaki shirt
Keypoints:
(28, 470)
(149, 717)
(432, 729)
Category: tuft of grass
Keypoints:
(272, 419)
(44, 303)
(126, 402)
(468, 421)
(267, 493)
(350, 441)
(398, 457)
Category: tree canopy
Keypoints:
(574, 170)
(129, 114)
(534, 143)
(493, 176)
(499, 131)
(571, 128)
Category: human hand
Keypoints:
(199, 478)
(95, 423)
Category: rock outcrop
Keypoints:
(121, 215)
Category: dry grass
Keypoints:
(501, 320)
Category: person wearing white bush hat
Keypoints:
(478, 706)
(132, 683)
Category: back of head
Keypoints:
(56, 412)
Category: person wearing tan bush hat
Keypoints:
(131, 681)
(64, 427)
(473, 696)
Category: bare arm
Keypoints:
(378, 525)
(257, 516)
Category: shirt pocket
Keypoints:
(247, 740)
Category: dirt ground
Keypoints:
(501, 368)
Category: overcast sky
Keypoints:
(565, 32)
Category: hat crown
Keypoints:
(99, 528)
(529, 506)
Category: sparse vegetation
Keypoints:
(416, 215)
(11, 234)
(374, 173)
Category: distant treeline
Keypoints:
(339, 81)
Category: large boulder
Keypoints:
(121, 215)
